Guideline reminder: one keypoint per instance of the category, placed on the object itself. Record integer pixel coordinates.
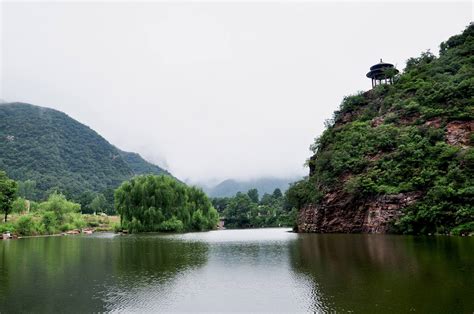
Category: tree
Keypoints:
(239, 211)
(267, 199)
(220, 203)
(160, 203)
(253, 194)
(58, 204)
(99, 203)
(277, 193)
(27, 189)
(8, 190)
(85, 199)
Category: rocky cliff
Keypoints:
(399, 158)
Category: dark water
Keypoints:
(243, 270)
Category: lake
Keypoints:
(258, 270)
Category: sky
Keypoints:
(211, 90)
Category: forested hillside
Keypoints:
(46, 150)
(140, 166)
(399, 158)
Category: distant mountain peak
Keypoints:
(230, 187)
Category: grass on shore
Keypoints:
(48, 222)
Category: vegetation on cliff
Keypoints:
(414, 137)
(160, 203)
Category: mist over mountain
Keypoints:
(60, 153)
(230, 187)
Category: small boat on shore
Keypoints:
(72, 232)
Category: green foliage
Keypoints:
(7, 227)
(54, 215)
(77, 220)
(253, 194)
(277, 193)
(99, 203)
(50, 221)
(20, 205)
(238, 212)
(160, 203)
(245, 211)
(302, 193)
(8, 190)
(26, 226)
(65, 227)
(27, 189)
(58, 204)
(464, 229)
(140, 166)
(380, 143)
(173, 225)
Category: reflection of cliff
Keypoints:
(81, 274)
(367, 273)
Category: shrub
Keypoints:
(26, 226)
(20, 205)
(77, 220)
(171, 225)
(4, 227)
(93, 224)
(116, 227)
(66, 227)
(49, 221)
(199, 222)
(464, 229)
(60, 205)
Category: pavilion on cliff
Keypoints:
(382, 73)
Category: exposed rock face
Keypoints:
(338, 212)
(459, 132)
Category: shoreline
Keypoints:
(63, 234)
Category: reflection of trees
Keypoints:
(157, 255)
(145, 267)
(47, 274)
(366, 273)
(64, 274)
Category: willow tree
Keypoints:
(160, 203)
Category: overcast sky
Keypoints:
(211, 90)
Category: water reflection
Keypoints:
(265, 270)
(83, 274)
(372, 273)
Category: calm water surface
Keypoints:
(268, 270)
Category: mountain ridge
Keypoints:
(60, 153)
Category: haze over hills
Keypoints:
(264, 185)
(60, 153)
